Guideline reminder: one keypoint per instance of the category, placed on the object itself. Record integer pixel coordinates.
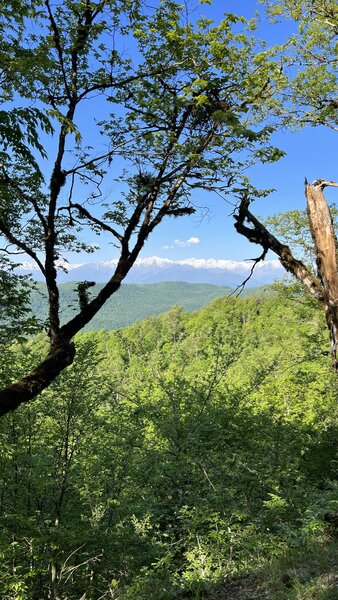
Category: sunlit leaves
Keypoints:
(309, 62)
(183, 105)
(166, 446)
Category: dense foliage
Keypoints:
(307, 96)
(189, 455)
(132, 302)
(182, 457)
(113, 113)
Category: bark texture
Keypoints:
(62, 351)
(324, 286)
(325, 243)
(36, 381)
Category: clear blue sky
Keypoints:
(310, 153)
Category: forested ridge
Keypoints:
(190, 455)
(132, 302)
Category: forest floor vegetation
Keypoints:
(188, 456)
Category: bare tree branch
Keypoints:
(20, 244)
(258, 234)
(323, 288)
(85, 213)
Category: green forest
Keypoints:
(132, 302)
(190, 455)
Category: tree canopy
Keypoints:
(306, 97)
(189, 455)
(118, 92)
(115, 113)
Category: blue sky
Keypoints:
(309, 153)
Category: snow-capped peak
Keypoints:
(154, 269)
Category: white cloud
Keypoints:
(185, 244)
(192, 241)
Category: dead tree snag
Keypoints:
(324, 285)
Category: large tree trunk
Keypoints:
(36, 381)
(325, 243)
(324, 287)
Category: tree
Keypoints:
(19, 138)
(170, 455)
(179, 113)
(313, 102)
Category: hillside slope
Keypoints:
(189, 456)
(133, 302)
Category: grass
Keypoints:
(307, 573)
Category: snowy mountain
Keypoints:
(155, 269)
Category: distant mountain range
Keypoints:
(154, 270)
